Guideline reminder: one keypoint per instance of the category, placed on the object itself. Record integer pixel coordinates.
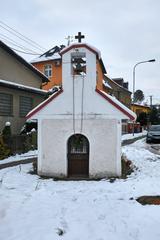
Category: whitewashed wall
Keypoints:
(104, 143)
(101, 125)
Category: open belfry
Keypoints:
(79, 126)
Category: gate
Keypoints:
(78, 156)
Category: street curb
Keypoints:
(130, 141)
(15, 163)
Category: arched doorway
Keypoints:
(78, 156)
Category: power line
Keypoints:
(18, 37)
(25, 49)
(14, 43)
(24, 52)
(23, 38)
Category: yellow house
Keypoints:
(137, 108)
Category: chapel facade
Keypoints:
(79, 127)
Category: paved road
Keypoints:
(154, 148)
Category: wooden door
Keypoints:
(78, 156)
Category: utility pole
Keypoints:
(134, 78)
(151, 97)
(69, 40)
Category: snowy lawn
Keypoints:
(20, 157)
(36, 209)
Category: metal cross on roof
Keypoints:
(79, 37)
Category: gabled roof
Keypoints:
(140, 105)
(102, 65)
(51, 54)
(43, 104)
(114, 82)
(80, 45)
(90, 48)
(131, 115)
(106, 84)
(121, 82)
(117, 104)
(23, 61)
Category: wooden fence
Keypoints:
(21, 143)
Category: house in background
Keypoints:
(118, 88)
(20, 88)
(50, 64)
(139, 108)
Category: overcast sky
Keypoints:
(125, 32)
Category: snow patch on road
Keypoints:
(131, 136)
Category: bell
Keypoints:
(78, 67)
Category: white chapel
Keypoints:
(79, 126)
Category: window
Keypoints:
(48, 70)
(6, 104)
(25, 105)
(79, 144)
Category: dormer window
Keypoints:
(78, 61)
(48, 70)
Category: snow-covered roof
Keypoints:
(126, 111)
(78, 45)
(44, 103)
(56, 52)
(52, 54)
(44, 58)
(21, 86)
(118, 105)
(106, 84)
(140, 105)
(112, 80)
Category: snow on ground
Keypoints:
(37, 209)
(19, 157)
(131, 136)
(33, 154)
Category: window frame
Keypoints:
(11, 105)
(48, 70)
(20, 110)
